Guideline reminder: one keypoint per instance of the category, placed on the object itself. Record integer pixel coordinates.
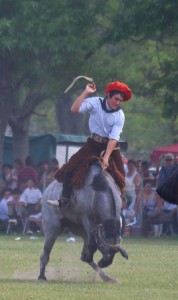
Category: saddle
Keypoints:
(80, 173)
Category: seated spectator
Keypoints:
(167, 170)
(16, 208)
(6, 194)
(147, 174)
(7, 175)
(35, 223)
(148, 206)
(132, 180)
(32, 197)
(172, 210)
(27, 172)
(17, 166)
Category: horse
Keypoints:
(94, 215)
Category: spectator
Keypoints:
(7, 175)
(167, 169)
(27, 172)
(165, 172)
(16, 208)
(6, 194)
(147, 205)
(32, 197)
(170, 229)
(147, 174)
(132, 180)
(17, 166)
(35, 223)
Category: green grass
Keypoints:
(150, 273)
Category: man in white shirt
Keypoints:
(106, 122)
(31, 197)
(6, 195)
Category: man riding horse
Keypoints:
(106, 124)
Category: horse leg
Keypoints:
(89, 249)
(90, 245)
(105, 277)
(44, 258)
(87, 256)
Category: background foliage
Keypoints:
(44, 45)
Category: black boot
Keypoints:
(64, 200)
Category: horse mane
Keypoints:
(100, 182)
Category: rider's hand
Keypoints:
(104, 163)
(91, 88)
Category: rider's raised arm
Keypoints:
(78, 102)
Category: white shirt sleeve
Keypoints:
(118, 127)
(88, 104)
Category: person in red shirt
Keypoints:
(27, 172)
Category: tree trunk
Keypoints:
(20, 146)
(70, 123)
(20, 131)
(5, 110)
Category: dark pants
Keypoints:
(90, 148)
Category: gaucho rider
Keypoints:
(106, 123)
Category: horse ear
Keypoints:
(123, 253)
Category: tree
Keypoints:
(40, 41)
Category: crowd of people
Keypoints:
(21, 189)
(141, 203)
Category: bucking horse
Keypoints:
(94, 215)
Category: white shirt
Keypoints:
(3, 209)
(105, 124)
(31, 196)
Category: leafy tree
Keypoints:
(41, 43)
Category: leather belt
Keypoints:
(99, 139)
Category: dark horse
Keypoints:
(94, 215)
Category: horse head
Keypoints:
(107, 224)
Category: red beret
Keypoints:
(120, 87)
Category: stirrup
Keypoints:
(64, 202)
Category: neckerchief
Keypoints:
(104, 107)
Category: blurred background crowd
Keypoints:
(143, 211)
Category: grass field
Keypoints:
(150, 273)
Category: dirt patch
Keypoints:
(63, 274)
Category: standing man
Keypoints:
(106, 124)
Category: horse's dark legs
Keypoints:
(89, 249)
(90, 246)
(44, 258)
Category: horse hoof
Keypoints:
(40, 277)
(86, 258)
(54, 203)
(103, 264)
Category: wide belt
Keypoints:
(99, 139)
